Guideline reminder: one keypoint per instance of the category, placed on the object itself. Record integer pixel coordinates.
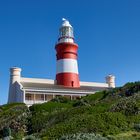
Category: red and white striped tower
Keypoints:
(67, 67)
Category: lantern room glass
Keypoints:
(66, 31)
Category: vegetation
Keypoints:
(108, 115)
(83, 136)
(13, 119)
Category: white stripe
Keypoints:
(66, 40)
(67, 65)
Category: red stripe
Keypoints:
(68, 79)
(66, 50)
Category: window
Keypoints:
(42, 96)
(28, 97)
(72, 83)
(66, 32)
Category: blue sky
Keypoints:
(107, 32)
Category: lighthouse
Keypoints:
(66, 54)
(37, 90)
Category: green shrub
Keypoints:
(15, 116)
(128, 105)
(18, 136)
(137, 127)
(104, 123)
(61, 99)
(44, 115)
(6, 132)
(30, 137)
(9, 106)
(92, 99)
(83, 136)
(49, 107)
(131, 88)
(81, 102)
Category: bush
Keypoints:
(131, 88)
(15, 117)
(60, 99)
(103, 123)
(81, 102)
(18, 135)
(30, 137)
(94, 98)
(6, 132)
(127, 105)
(137, 127)
(83, 136)
(49, 107)
(44, 115)
(9, 106)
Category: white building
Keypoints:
(33, 90)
